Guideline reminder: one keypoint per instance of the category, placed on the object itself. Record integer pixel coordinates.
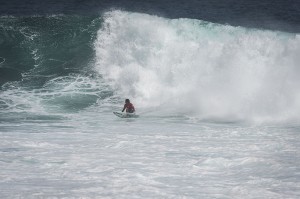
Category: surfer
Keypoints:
(128, 106)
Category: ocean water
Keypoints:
(215, 84)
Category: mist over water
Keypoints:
(193, 67)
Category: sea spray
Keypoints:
(193, 67)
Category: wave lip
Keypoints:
(194, 67)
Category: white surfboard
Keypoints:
(125, 115)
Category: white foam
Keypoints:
(200, 68)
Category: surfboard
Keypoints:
(125, 115)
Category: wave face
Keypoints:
(166, 66)
(54, 55)
(197, 68)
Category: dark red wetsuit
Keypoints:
(129, 108)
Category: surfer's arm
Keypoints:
(124, 108)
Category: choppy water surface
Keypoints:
(96, 155)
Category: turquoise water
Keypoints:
(218, 106)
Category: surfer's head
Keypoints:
(127, 101)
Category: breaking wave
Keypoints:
(202, 69)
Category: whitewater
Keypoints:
(218, 109)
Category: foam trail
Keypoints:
(199, 68)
